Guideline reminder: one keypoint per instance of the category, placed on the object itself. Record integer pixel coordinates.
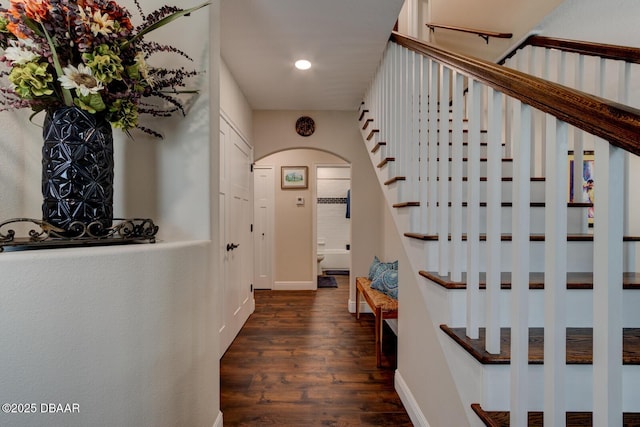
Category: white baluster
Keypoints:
(401, 142)
(521, 264)
(624, 78)
(392, 144)
(578, 146)
(443, 172)
(416, 94)
(473, 210)
(555, 277)
(434, 78)
(494, 196)
(607, 287)
(456, 175)
(424, 146)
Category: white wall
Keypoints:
(125, 331)
(234, 104)
(510, 16)
(611, 22)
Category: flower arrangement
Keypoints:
(88, 54)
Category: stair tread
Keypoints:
(504, 178)
(482, 159)
(406, 204)
(532, 204)
(395, 179)
(507, 237)
(575, 280)
(377, 146)
(579, 346)
(573, 419)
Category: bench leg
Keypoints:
(379, 325)
(357, 303)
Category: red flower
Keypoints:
(38, 10)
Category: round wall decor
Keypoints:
(305, 126)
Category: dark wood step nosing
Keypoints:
(372, 133)
(377, 146)
(385, 161)
(362, 113)
(508, 237)
(395, 179)
(531, 204)
(366, 123)
(535, 418)
(579, 345)
(575, 280)
(482, 159)
(406, 204)
(503, 179)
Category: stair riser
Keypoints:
(537, 191)
(579, 310)
(490, 384)
(507, 168)
(576, 220)
(579, 387)
(579, 255)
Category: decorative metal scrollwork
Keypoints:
(47, 235)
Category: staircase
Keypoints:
(540, 307)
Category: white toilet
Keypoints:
(320, 254)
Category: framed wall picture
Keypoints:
(294, 177)
(588, 180)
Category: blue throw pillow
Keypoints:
(387, 283)
(378, 267)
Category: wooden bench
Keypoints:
(383, 307)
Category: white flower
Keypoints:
(144, 69)
(80, 78)
(17, 55)
(101, 24)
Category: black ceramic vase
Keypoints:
(77, 172)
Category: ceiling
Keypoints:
(344, 40)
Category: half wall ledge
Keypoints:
(42, 235)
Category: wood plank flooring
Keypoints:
(303, 360)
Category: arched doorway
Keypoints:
(286, 240)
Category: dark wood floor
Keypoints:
(303, 360)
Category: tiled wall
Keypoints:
(333, 226)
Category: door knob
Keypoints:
(231, 246)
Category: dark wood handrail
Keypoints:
(619, 124)
(482, 33)
(607, 51)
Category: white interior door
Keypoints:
(264, 226)
(235, 229)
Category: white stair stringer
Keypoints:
(435, 298)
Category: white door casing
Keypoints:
(264, 226)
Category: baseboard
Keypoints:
(409, 402)
(219, 422)
(364, 307)
(294, 286)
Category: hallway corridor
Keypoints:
(303, 360)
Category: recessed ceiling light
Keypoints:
(303, 64)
